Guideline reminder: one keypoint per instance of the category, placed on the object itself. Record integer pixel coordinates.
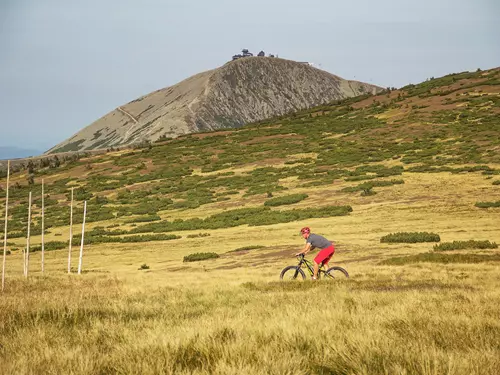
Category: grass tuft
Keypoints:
(200, 256)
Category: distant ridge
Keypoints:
(8, 152)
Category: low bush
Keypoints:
(250, 216)
(143, 219)
(200, 256)
(287, 199)
(51, 245)
(410, 237)
(143, 267)
(368, 191)
(487, 204)
(496, 182)
(360, 178)
(442, 258)
(130, 239)
(460, 245)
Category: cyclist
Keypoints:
(313, 241)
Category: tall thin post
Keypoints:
(27, 254)
(70, 231)
(5, 227)
(83, 233)
(43, 228)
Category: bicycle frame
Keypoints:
(310, 266)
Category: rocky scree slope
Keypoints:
(240, 92)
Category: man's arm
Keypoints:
(306, 249)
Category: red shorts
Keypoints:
(325, 255)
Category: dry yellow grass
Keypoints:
(232, 315)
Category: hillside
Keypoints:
(406, 184)
(240, 92)
(446, 124)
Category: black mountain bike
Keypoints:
(296, 272)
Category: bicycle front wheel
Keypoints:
(292, 273)
(335, 273)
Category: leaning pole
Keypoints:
(83, 235)
(27, 253)
(5, 227)
(70, 231)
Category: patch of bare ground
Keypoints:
(280, 254)
(231, 266)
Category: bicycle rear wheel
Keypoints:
(292, 273)
(336, 272)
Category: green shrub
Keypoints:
(410, 237)
(368, 191)
(147, 238)
(442, 258)
(143, 219)
(143, 267)
(51, 245)
(130, 239)
(251, 216)
(487, 204)
(287, 199)
(200, 256)
(360, 178)
(471, 244)
(496, 182)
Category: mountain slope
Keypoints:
(242, 91)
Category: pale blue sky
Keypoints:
(65, 63)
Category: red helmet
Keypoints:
(305, 230)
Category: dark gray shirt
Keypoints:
(318, 241)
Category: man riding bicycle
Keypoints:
(316, 241)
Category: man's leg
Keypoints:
(316, 268)
(327, 261)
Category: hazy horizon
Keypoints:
(65, 65)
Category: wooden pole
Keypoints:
(5, 227)
(83, 233)
(27, 255)
(70, 231)
(43, 228)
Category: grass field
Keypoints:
(232, 315)
(425, 158)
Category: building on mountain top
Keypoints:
(244, 53)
